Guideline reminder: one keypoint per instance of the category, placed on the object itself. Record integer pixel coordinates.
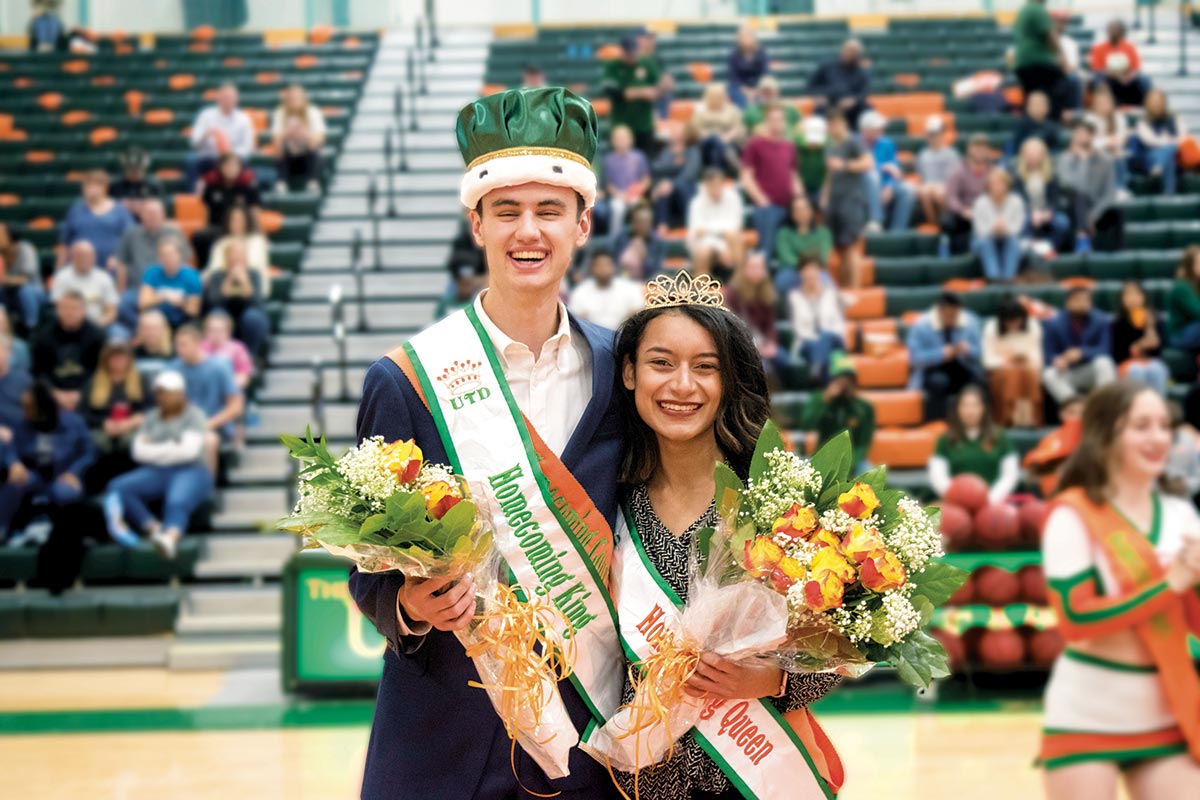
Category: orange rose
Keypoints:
(404, 460)
(828, 559)
(862, 543)
(762, 556)
(883, 572)
(440, 498)
(859, 502)
(797, 523)
(823, 592)
(786, 574)
(826, 538)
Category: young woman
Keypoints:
(752, 296)
(1122, 563)
(237, 290)
(998, 217)
(694, 394)
(113, 401)
(1012, 356)
(298, 133)
(804, 239)
(1183, 303)
(1036, 184)
(1137, 340)
(1112, 130)
(818, 318)
(240, 227)
(719, 125)
(1159, 134)
(974, 445)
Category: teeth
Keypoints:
(535, 255)
(680, 406)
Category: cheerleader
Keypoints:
(1123, 564)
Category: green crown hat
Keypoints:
(545, 135)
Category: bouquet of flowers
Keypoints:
(384, 507)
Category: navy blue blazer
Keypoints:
(434, 737)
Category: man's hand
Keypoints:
(726, 679)
(18, 475)
(5, 434)
(835, 163)
(69, 479)
(1060, 363)
(949, 352)
(444, 606)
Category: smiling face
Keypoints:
(970, 410)
(676, 380)
(529, 234)
(1143, 440)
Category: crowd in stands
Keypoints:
(126, 368)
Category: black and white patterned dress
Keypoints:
(690, 769)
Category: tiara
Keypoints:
(684, 290)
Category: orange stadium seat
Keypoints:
(181, 82)
(902, 408)
(701, 71)
(888, 371)
(905, 448)
(75, 117)
(867, 303)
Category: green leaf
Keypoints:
(919, 659)
(829, 496)
(374, 524)
(875, 478)
(327, 528)
(924, 607)
(938, 582)
(835, 459)
(768, 441)
(727, 481)
(459, 520)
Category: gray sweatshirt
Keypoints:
(985, 213)
(1090, 182)
(171, 442)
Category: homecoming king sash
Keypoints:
(557, 545)
(1136, 566)
(767, 755)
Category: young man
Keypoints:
(936, 162)
(1089, 180)
(1077, 346)
(841, 408)
(606, 297)
(519, 388)
(769, 176)
(1036, 57)
(945, 349)
(964, 185)
(845, 195)
(890, 200)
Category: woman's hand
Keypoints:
(1184, 570)
(730, 680)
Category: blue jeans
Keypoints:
(1000, 256)
(181, 489)
(1188, 338)
(1163, 159)
(767, 220)
(673, 207)
(253, 328)
(1152, 372)
(818, 351)
(27, 299)
(714, 152)
(1058, 229)
(12, 496)
(196, 164)
(127, 308)
(900, 206)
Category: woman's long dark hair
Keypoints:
(956, 432)
(745, 404)
(44, 418)
(1103, 417)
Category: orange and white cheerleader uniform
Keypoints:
(1105, 577)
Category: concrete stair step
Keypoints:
(391, 231)
(86, 652)
(249, 555)
(295, 385)
(371, 159)
(417, 180)
(300, 350)
(354, 206)
(244, 626)
(257, 508)
(294, 418)
(261, 650)
(230, 601)
(397, 260)
(316, 317)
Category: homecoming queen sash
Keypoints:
(765, 754)
(556, 543)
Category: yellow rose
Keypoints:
(823, 592)
(862, 543)
(404, 460)
(786, 574)
(440, 497)
(762, 556)
(859, 502)
(797, 523)
(883, 572)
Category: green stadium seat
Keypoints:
(1112, 266)
(14, 621)
(1025, 439)
(143, 564)
(139, 613)
(17, 565)
(103, 563)
(1181, 363)
(70, 615)
(1148, 236)
(1185, 234)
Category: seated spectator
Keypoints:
(1037, 186)
(631, 85)
(1182, 473)
(1035, 123)
(719, 125)
(219, 341)
(1117, 61)
(47, 33)
(1068, 52)
(944, 350)
(844, 197)
(936, 162)
(532, 77)
(606, 297)
(769, 94)
(998, 217)
(1037, 59)
(1137, 339)
(818, 318)
(626, 177)
(152, 344)
(465, 285)
(171, 286)
(962, 190)
(838, 408)
(1156, 141)
(238, 292)
(65, 352)
(219, 129)
(748, 64)
(228, 186)
(1077, 348)
(889, 199)
(136, 185)
(805, 239)
(1089, 185)
(675, 174)
(842, 84)
(211, 387)
(169, 447)
(241, 227)
(46, 458)
(1012, 356)
(810, 156)
(1046, 459)
(1183, 304)
(84, 277)
(298, 133)
(21, 292)
(974, 445)
(714, 237)
(751, 295)
(95, 217)
(138, 251)
(20, 358)
(113, 401)
(639, 249)
(13, 382)
(1112, 130)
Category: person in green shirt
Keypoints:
(1037, 59)
(840, 408)
(631, 83)
(804, 238)
(769, 95)
(974, 445)
(1183, 303)
(810, 155)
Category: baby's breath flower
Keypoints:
(789, 479)
(913, 537)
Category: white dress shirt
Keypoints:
(608, 307)
(237, 127)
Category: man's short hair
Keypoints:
(600, 252)
(712, 172)
(950, 299)
(1075, 291)
(1083, 122)
(71, 294)
(979, 140)
(189, 329)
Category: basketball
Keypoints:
(956, 527)
(1033, 584)
(956, 651)
(995, 586)
(965, 594)
(997, 527)
(1002, 650)
(1045, 646)
(1033, 517)
(968, 491)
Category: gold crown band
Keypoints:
(509, 152)
(685, 290)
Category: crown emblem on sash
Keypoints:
(684, 290)
(461, 377)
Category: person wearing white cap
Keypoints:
(935, 164)
(169, 449)
(810, 155)
(889, 199)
